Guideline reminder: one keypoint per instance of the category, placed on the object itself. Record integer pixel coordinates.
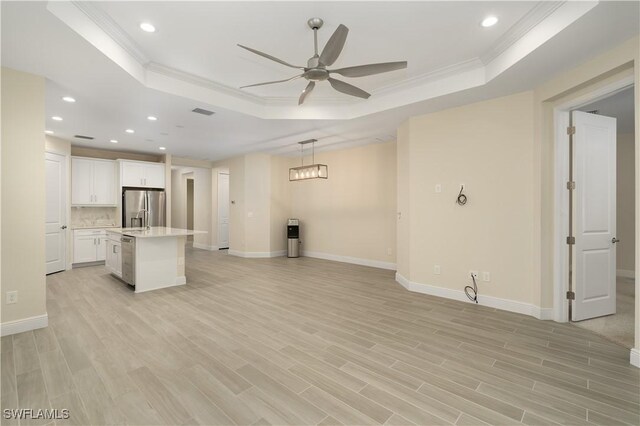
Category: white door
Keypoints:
(154, 175)
(81, 181)
(56, 212)
(104, 187)
(223, 210)
(594, 215)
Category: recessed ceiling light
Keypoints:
(68, 99)
(130, 131)
(152, 118)
(489, 21)
(162, 148)
(49, 132)
(147, 27)
(113, 141)
(56, 118)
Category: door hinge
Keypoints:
(571, 240)
(571, 185)
(571, 130)
(571, 295)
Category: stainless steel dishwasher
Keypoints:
(129, 260)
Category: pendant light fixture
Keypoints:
(311, 171)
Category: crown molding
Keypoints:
(112, 29)
(202, 82)
(530, 20)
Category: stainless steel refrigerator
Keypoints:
(142, 208)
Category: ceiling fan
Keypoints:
(316, 69)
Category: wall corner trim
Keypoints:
(347, 259)
(634, 357)
(490, 301)
(25, 324)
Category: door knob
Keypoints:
(63, 227)
(615, 240)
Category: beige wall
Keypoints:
(352, 213)
(626, 203)
(23, 205)
(280, 202)
(257, 193)
(486, 146)
(106, 154)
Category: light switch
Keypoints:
(438, 188)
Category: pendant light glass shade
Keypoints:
(311, 171)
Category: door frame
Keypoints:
(562, 120)
(218, 207)
(66, 189)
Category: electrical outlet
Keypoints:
(389, 251)
(438, 188)
(486, 276)
(474, 273)
(12, 297)
(436, 269)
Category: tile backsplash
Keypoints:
(93, 216)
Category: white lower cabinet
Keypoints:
(114, 256)
(89, 245)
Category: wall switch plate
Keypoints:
(436, 269)
(486, 276)
(12, 297)
(389, 251)
(474, 273)
(250, 214)
(438, 188)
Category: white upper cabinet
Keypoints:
(142, 175)
(93, 182)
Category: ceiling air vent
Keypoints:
(202, 111)
(89, 138)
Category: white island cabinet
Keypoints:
(148, 259)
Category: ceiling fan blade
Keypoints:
(370, 69)
(306, 92)
(273, 82)
(347, 88)
(334, 46)
(273, 58)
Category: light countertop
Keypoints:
(154, 232)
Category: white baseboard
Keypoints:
(22, 325)
(347, 259)
(625, 273)
(491, 301)
(634, 357)
(257, 254)
(205, 247)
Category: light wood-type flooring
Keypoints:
(305, 341)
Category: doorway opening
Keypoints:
(619, 324)
(190, 211)
(595, 212)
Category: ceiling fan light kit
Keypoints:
(316, 69)
(310, 171)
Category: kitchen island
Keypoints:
(148, 258)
